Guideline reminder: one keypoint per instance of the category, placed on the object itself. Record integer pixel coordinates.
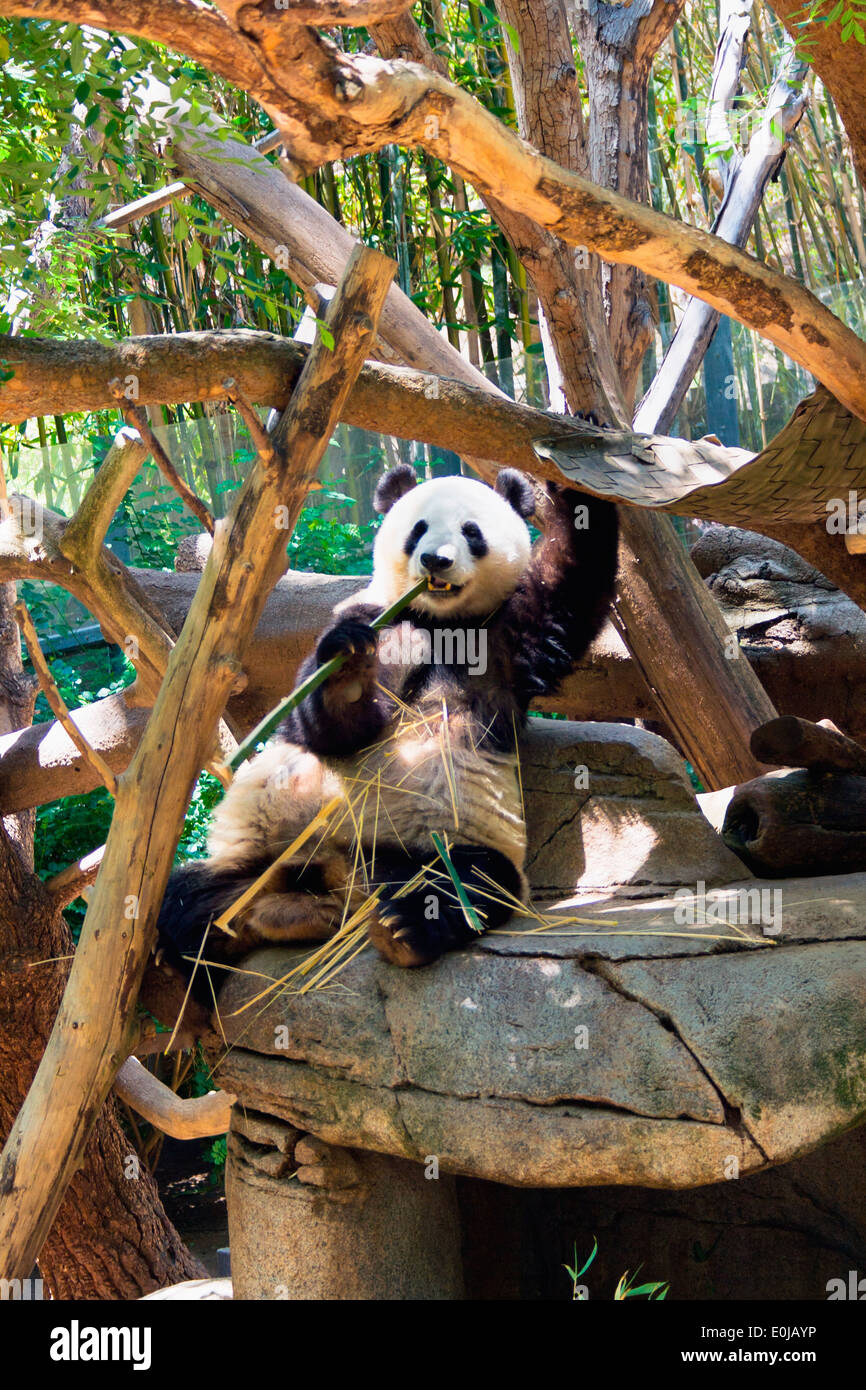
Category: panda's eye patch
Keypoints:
(414, 537)
(477, 543)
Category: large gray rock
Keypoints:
(609, 806)
(664, 1032)
(677, 1024)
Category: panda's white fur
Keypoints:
(426, 774)
(447, 505)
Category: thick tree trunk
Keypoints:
(618, 44)
(672, 626)
(111, 1238)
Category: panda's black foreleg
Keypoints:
(416, 927)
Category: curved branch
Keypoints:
(196, 1117)
(32, 541)
(349, 12)
(56, 701)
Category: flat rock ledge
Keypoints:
(681, 1034)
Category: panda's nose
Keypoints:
(434, 563)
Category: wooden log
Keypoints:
(51, 376)
(792, 742)
(94, 1029)
(193, 1117)
(797, 823)
(705, 689)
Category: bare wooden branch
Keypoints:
(448, 410)
(68, 884)
(258, 434)
(195, 1117)
(30, 548)
(136, 417)
(821, 747)
(82, 540)
(55, 699)
(746, 181)
(153, 202)
(735, 18)
(95, 1025)
(140, 208)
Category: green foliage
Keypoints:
(328, 546)
(626, 1288)
(206, 793)
(67, 829)
(851, 17)
(216, 1156)
(155, 519)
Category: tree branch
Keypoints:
(137, 418)
(55, 699)
(94, 1028)
(82, 539)
(342, 104)
(67, 885)
(196, 1117)
(746, 182)
(31, 547)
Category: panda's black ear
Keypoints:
(392, 486)
(517, 490)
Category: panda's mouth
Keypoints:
(442, 586)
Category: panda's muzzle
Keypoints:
(437, 567)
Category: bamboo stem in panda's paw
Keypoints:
(266, 726)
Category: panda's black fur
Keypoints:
(539, 611)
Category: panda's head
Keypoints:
(469, 541)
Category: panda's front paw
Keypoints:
(351, 639)
(404, 934)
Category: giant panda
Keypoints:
(416, 733)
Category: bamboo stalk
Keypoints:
(266, 726)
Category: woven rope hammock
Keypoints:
(819, 455)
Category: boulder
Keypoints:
(674, 1023)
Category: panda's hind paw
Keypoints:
(403, 935)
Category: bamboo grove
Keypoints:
(68, 142)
